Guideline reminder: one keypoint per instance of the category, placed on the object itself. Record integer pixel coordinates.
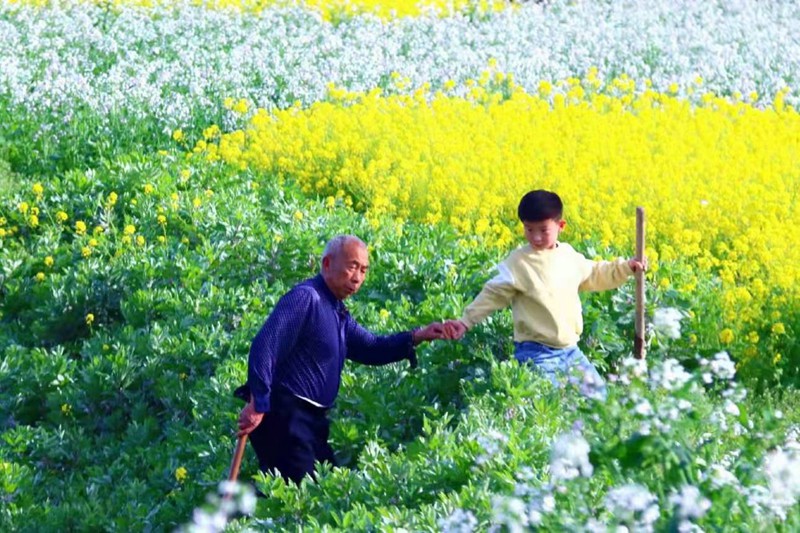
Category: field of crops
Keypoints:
(169, 169)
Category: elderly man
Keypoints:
(296, 362)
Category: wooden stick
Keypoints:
(236, 463)
(638, 341)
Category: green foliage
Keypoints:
(118, 366)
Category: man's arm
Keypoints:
(365, 347)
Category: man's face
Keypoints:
(345, 272)
(543, 234)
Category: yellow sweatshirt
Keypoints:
(542, 288)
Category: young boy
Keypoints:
(541, 281)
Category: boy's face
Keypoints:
(543, 234)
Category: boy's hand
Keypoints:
(454, 329)
(636, 265)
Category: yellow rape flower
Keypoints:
(89, 319)
(48, 261)
(37, 189)
(148, 188)
(778, 328)
(240, 106)
(140, 240)
(112, 198)
(178, 135)
(80, 227)
(86, 251)
(181, 474)
(33, 221)
(93, 243)
(130, 229)
(66, 409)
(726, 336)
(39, 276)
(162, 220)
(23, 207)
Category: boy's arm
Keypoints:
(604, 275)
(496, 294)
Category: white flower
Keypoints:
(669, 375)
(459, 521)
(634, 506)
(632, 369)
(721, 477)
(667, 322)
(492, 443)
(509, 512)
(570, 458)
(782, 469)
(731, 408)
(722, 366)
(690, 502)
(643, 408)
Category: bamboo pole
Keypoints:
(638, 341)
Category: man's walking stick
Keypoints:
(236, 463)
(638, 341)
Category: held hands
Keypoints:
(448, 330)
(454, 329)
(432, 331)
(249, 420)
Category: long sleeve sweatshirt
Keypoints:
(542, 288)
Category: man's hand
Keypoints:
(636, 265)
(454, 329)
(430, 332)
(249, 420)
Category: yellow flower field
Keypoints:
(719, 180)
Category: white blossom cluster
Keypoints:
(459, 521)
(176, 64)
(492, 443)
(690, 505)
(569, 458)
(667, 322)
(634, 506)
(236, 498)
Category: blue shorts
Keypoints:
(560, 364)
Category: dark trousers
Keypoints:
(292, 437)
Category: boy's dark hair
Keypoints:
(540, 205)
